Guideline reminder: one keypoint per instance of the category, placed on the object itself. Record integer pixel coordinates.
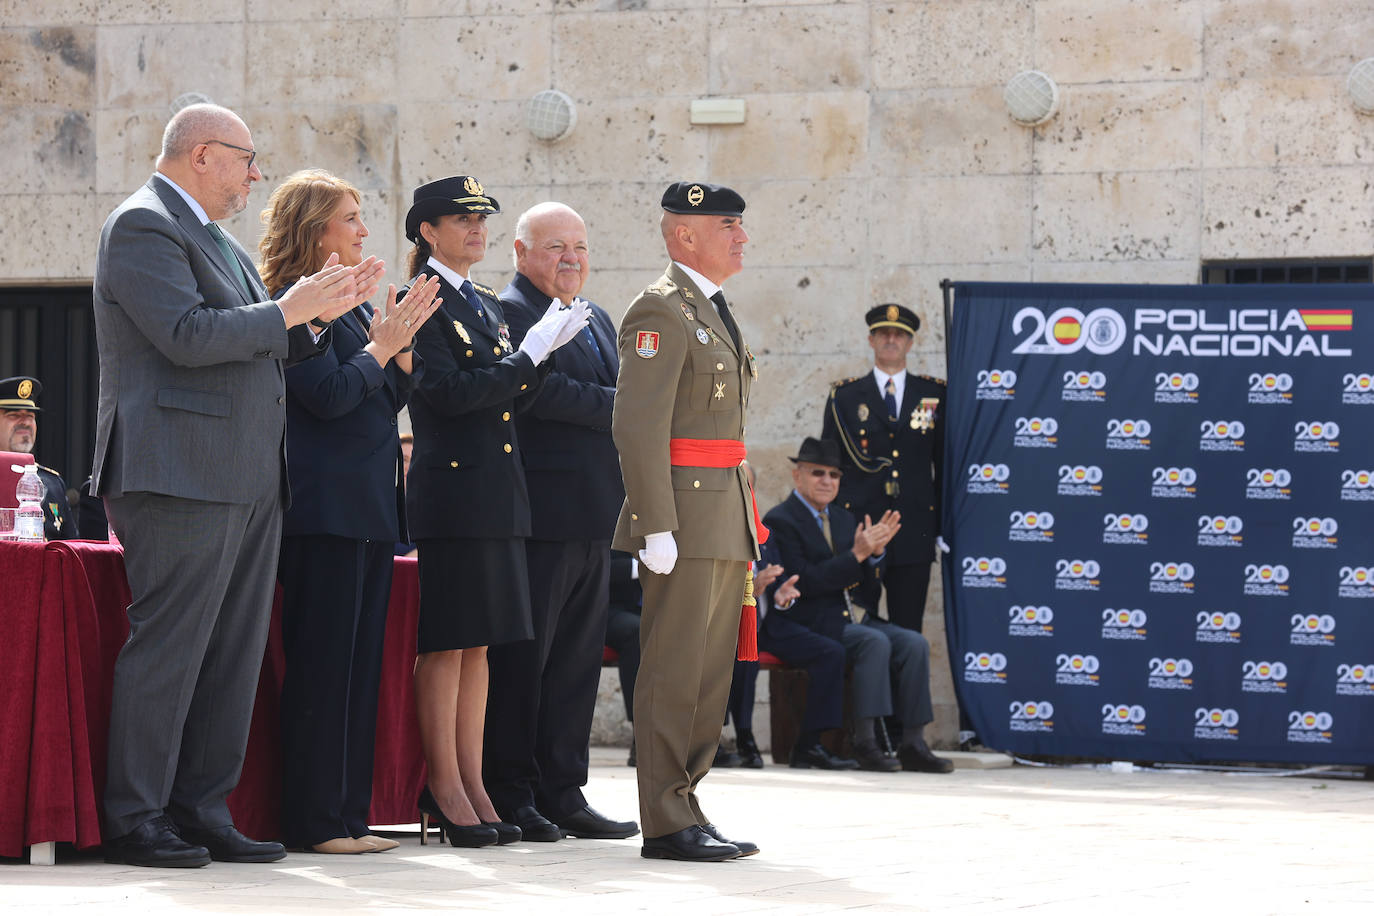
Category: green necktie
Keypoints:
(235, 267)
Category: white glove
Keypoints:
(541, 339)
(578, 314)
(940, 542)
(659, 553)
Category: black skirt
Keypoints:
(473, 592)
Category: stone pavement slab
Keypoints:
(1019, 839)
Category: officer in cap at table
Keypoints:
(678, 422)
(890, 427)
(18, 433)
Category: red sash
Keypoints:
(727, 453)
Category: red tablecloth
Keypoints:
(62, 622)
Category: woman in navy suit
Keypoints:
(346, 514)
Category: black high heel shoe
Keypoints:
(472, 836)
(506, 833)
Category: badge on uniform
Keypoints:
(646, 344)
(923, 417)
(753, 363)
(690, 312)
(703, 336)
(863, 413)
(504, 333)
(462, 332)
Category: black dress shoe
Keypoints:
(748, 750)
(534, 827)
(228, 845)
(155, 843)
(590, 824)
(632, 761)
(870, 758)
(690, 844)
(816, 757)
(505, 833)
(918, 758)
(745, 847)
(725, 758)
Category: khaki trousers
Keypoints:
(687, 637)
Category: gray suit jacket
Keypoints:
(192, 396)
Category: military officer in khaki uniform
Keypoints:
(678, 423)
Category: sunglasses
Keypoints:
(832, 473)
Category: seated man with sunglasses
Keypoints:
(839, 564)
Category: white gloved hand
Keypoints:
(541, 339)
(659, 553)
(940, 542)
(577, 315)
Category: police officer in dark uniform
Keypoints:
(889, 424)
(18, 432)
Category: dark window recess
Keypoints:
(1324, 271)
(48, 332)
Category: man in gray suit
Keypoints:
(191, 390)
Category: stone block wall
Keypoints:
(877, 155)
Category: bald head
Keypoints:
(207, 150)
(551, 249)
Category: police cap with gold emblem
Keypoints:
(700, 197)
(891, 315)
(459, 194)
(18, 393)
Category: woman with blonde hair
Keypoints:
(343, 460)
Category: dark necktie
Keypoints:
(726, 318)
(470, 295)
(856, 613)
(591, 339)
(890, 399)
(235, 268)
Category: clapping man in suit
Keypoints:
(543, 691)
(839, 562)
(190, 462)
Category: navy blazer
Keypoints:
(343, 453)
(571, 464)
(466, 479)
(824, 574)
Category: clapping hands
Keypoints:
(870, 538)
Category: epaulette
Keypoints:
(840, 383)
(662, 288)
(44, 467)
(486, 289)
(931, 378)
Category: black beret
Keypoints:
(818, 451)
(18, 393)
(891, 315)
(459, 194)
(700, 197)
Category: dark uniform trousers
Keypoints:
(536, 753)
(906, 585)
(333, 636)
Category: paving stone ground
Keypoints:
(981, 840)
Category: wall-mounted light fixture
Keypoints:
(1032, 98)
(1360, 85)
(551, 115)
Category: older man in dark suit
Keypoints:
(543, 691)
(190, 462)
(839, 563)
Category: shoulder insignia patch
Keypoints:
(646, 344)
(486, 289)
(840, 383)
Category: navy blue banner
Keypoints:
(1158, 502)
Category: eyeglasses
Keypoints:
(252, 153)
(832, 473)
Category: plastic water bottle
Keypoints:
(28, 518)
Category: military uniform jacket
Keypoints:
(58, 522)
(465, 476)
(891, 464)
(680, 377)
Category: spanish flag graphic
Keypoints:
(1326, 319)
